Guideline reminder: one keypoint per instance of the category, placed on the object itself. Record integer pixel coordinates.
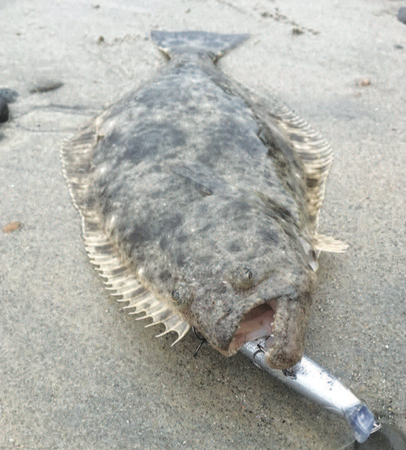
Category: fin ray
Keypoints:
(119, 280)
(328, 244)
(316, 155)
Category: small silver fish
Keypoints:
(316, 384)
(200, 202)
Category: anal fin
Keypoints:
(102, 249)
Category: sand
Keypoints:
(76, 372)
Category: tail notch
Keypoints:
(214, 44)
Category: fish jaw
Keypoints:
(289, 332)
(282, 323)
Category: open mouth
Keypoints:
(256, 324)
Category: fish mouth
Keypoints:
(283, 323)
(256, 324)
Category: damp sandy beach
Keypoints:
(75, 370)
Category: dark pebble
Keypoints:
(297, 31)
(398, 47)
(4, 112)
(402, 14)
(8, 95)
(46, 86)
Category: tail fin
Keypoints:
(216, 45)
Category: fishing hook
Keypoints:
(202, 341)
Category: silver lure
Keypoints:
(315, 383)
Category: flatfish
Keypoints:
(200, 202)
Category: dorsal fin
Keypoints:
(317, 157)
(102, 250)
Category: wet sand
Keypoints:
(78, 372)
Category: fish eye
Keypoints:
(182, 295)
(241, 278)
(248, 273)
(175, 296)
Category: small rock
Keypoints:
(297, 31)
(8, 95)
(4, 111)
(402, 14)
(12, 226)
(100, 40)
(46, 86)
(364, 82)
(398, 47)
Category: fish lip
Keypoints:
(290, 327)
(290, 321)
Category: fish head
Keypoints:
(242, 273)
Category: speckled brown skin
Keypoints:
(198, 185)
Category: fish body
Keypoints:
(200, 202)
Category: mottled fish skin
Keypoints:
(191, 182)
